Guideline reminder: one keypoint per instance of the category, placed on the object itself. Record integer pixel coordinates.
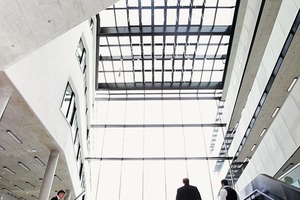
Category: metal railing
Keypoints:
(257, 194)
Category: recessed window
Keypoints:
(81, 55)
(68, 104)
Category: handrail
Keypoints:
(260, 192)
(271, 186)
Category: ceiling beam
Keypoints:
(166, 57)
(164, 30)
(159, 158)
(160, 86)
(156, 125)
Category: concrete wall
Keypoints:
(281, 140)
(42, 77)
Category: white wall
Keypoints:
(42, 77)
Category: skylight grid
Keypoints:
(164, 44)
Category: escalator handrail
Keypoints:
(260, 192)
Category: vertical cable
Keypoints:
(183, 135)
(143, 162)
(164, 144)
(207, 161)
(123, 141)
(101, 152)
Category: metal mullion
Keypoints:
(161, 158)
(172, 30)
(213, 25)
(160, 70)
(164, 42)
(201, 23)
(214, 60)
(186, 41)
(198, 38)
(166, 56)
(104, 72)
(122, 62)
(112, 63)
(119, 45)
(177, 125)
(170, 7)
(156, 98)
(141, 40)
(130, 42)
(152, 39)
(217, 85)
(148, 44)
(175, 41)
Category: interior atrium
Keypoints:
(123, 99)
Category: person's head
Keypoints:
(61, 194)
(186, 181)
(224, 182)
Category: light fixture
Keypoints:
(242, 110)
(275, 112)
(41, 179)
(1, 177)
(32, 150)
(7, 190)
(57, 177)
(9, 170)
(39, 161)
(253, 147)
(2, 148)
(14, 136)
(263, 132)
(236, 125)
(19, 187)
(24, 166)
(292, 84)
(28, 183)
(246, 160)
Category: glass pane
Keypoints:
(132, 180)
(159, 17)
(134, 17)
(107, 18)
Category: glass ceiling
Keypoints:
(158, 107)
(157, 46)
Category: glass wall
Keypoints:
(143, 149)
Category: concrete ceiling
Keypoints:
(35, 142)
(25, 27)
(28, 25)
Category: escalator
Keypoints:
(265, 187)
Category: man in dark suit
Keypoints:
(188, 192)
(60, 195)
(226, 192)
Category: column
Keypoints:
(68, 195)
(49, 175)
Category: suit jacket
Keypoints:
(188, 192)
(55, 198)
